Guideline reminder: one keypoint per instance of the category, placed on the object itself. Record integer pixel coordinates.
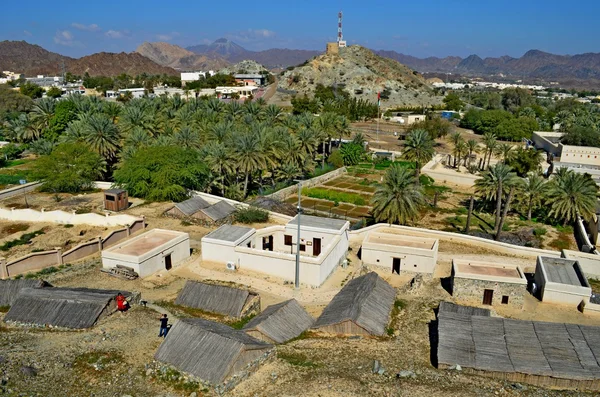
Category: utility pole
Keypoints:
(297, 279)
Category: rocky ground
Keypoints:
(114, 357)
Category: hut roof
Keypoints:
(10, 289)
(219, 210)
(558, 350)
(469, 310)
(319, 222)
(281, 322)
(563, 271)
(213, 298)
(192, 205)
(206, 349)
(367, 301)
(229, 233)
(60, 307)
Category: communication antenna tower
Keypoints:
(340, 37)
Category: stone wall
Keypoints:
(282, 194)
(472, 290)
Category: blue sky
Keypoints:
(432, 28)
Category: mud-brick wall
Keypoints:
(468, 289)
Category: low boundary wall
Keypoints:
(284, 193)
(21, 189)
(62, 217)
(37, 261)
(359, 235)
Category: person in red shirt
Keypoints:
(122, 304)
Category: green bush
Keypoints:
(336, 159)
(539, 231)
(24, 239)
(333, 195)
(251, 215)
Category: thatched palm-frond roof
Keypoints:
(213, 298)
(367, 301)
(207, 349)
(281, 322)
(10, 289)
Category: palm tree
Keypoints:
(248, 154)
(342, 125)
(325, 125)
(456, 139)
(533, 192)
(112, 110)
(101, 135)
(418, 148)
(572, 194)
(219, 162)
(187, 138)
(273, 113)
(460, 150)
(399, 198)
(493, 185)
(490, 141)
(472, 147)
(504, 151)
(565, 118)
(43, 111)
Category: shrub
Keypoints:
(539, 231)
(251, 215)
(336, 159)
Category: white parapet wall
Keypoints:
(62, 217)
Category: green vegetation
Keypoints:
(335, 100)
(31, 90)
(399, 197)
(251, 215)
(334, 195)
(70, 168)
(173, 378)
(24, 239)
(296, 358)
(4, 309)
(239, 324)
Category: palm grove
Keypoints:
(160, 148)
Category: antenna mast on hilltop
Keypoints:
(340, 38)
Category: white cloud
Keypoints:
(167, 36)
(115, 34)
(27, 33)
(252, 35)
(64, 37)
(88, 28)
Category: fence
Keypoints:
(37, 261)
(62, 217)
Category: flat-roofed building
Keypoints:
(231, 92)
(272, 250)
(150, 252)
(560, 280)
(398, 252)
(488, 283)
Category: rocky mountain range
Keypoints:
(31, 59)
(362, 74)
(179, 58)
(272, 58)
(533, 64)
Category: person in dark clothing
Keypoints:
(164, 320)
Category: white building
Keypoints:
(272, 250)
(187, 77)
(150, 252)
(243, 92)
(561, 281)
(135, 92)
(398, 252)
(408, 119)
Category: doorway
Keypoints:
(396, 265)
(316, 246)
(168, 263)
(488, 296)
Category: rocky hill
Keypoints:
(30, 59)
(272, 58)
(363, 74)
(245, 66)
(176, 57)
